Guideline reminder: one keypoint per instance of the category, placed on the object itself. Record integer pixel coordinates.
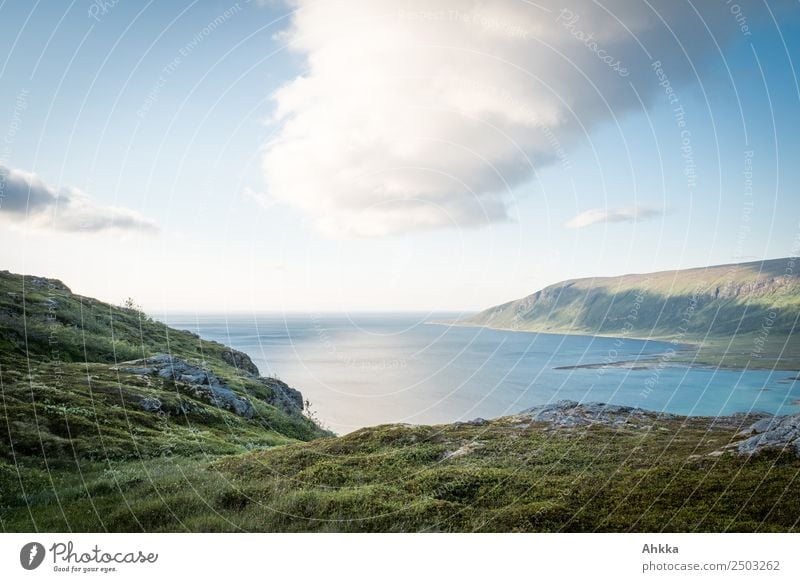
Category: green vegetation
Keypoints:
(507, 475)
(80, 452)
(742, 315)
(64, 403)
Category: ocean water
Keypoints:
(368, 369)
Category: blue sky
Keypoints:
(240, 198)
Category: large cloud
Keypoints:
(427, 113)
(25, 198)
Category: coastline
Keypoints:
(687, 353)
(684, 344)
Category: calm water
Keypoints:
(368, 369)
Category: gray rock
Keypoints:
(150, 404)
(199, 383)
(571, 414)
(227, 399)
(283, 396)
(167, 373)
(50, 283)
(764, 424)
(195, 378)
(774, 432)
(141, 371)
(240, 361)
(175, 369)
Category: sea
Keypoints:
(366, 369)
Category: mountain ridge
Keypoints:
(737, 314)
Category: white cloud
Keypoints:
(606, 215)
(265, 201)
(27, 200)
(429, 113)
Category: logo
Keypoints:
(31, 555)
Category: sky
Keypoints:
(436, 155)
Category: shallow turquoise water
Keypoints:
(369, 369)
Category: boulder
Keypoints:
(240, 361)
(197, 381)
(571, 414)
(773, 432)
(199, 377)
(150, 404)
(227, 399)
(283, 396)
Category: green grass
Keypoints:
(69, 418)
(513, 476)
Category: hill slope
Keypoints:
(561, 467)
(67, 394)
(739, 314)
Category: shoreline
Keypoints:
(683, 350)
(684, 344)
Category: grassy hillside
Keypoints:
(65, 402)
(745, 314)
(509, 474)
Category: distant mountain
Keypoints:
(739, 314)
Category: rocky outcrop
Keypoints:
(202, 384)
(44, 283)
(570, 414)
(757, 288)
(772, 432)
(767, 432)
(240, 361)
(474, 422)
(283, 396)
(150, 404)
(194, 380)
